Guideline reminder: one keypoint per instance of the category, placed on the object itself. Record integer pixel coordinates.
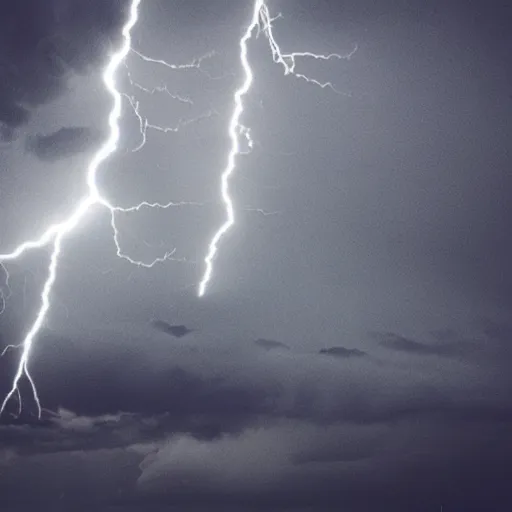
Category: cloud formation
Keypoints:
(176, 331)
(48, 42)
(282, 428)
(62, 143)
(270, 344)
(445, 348)
(342, 352)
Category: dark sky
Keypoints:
(353, 349)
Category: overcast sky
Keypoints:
(352, 350)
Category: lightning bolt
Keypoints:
(5, 290)
(55, 235)
(261, 21)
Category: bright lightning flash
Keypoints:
(57, 232)
(261, 22)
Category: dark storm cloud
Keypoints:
(42, 43)
(497, 331)
(342, 352)
(270, 344)
(208, 424)
(401, 344)
(7, 134)
(226, 381)
(177, 331)
(64, 431)
(280, 464)
(63, 143)
(283, 461)
(12, 116)
(297, 462)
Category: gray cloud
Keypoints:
(270, 344)
(280, 463)
(62, 143)
(227, 383)
(497, 331)
(48, 42)
(297, 463)
(262, 429)
(342, 352)
(177, 331)
(401, 344)
(68, 420)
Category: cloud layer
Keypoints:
(42, 44)
(63, 143)
(275, 427)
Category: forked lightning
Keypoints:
(260, 21)
(55, 234)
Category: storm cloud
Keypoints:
(63, 143)
(446, 348)
(270, 344)
(43, 43)
(342, 352)
(176, 331)
(285, 429)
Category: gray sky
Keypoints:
(388, 244)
